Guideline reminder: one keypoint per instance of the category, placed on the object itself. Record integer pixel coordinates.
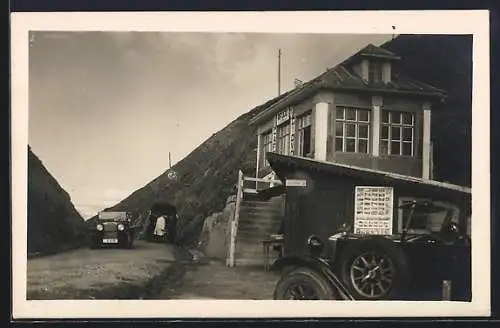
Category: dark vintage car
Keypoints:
(426, 254)
(112, 229)
(409, 265)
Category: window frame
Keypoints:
(268, 135)
(357, 123)
(375, 71)
(390, 125)
(304, 121)
(284, 139)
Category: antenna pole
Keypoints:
(279, 72)
(169, 161)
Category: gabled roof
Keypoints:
(374, 51)
(281, 164)
(343, 77)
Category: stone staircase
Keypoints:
(258, 219)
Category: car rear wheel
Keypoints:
(373, 269)
(303, 284)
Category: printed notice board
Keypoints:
(373, 210)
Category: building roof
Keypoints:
(282, 164)
(343, 77)
(374, 51)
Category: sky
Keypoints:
(106, 108)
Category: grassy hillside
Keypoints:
(207, 175)
(53, 222)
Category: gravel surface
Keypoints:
(99, 274)
(213, 280)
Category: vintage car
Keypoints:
(112, 229)
(421, 253)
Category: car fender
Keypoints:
(317, 264)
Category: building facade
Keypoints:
(361, 112)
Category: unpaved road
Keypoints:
(99, 274)
(213, 280)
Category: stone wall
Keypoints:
(215, 235)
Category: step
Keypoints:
(248, 203)
(246, 235)
(252, 222)
(261, 208)
(271, 228)
(252, 230)
(261, 215)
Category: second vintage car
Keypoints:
(112, 229)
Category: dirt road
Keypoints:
(99, 274)
(213, 280)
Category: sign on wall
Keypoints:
(373, 210)
(273, 137)
(282, 116)
(292, 132)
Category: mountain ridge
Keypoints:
(53, 221)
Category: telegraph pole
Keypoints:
(169, 161)
(279, 72)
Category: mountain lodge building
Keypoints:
(361, 112)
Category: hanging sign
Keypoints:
(292, 132)
(373, 210)
(274, 134)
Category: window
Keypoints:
(396, 133)
(375, 71)
(352, 130)
(304, 135)
(267, 146)
(425, 216)
(283, 139)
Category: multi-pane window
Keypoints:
(283, 139)
(397, 133)
(352, 130)
(375, 71)
(304, 135)
(267, 146)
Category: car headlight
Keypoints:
(99, 227)
(121, 227)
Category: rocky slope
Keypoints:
(206, 177)
(53, 222)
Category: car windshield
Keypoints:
(428, 216)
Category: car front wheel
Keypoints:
(303, 284)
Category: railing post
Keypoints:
(446, 290)
(234, 225)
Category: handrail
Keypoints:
(261, 180)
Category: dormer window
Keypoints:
(375, 69)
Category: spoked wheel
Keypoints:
(372, 274)
(303, 284)
(301, 291)
(374, 269)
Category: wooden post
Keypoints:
(234, 225)
(446, 290)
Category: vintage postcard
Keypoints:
(250, 164)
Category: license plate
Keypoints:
(110, 240)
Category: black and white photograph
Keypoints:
(258, 164)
